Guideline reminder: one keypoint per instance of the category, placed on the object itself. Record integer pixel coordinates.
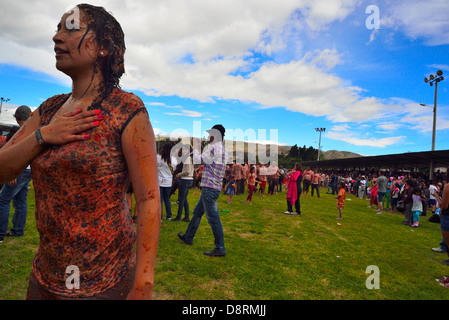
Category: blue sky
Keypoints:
(287, 65)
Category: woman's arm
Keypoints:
(185, 170)
(139, 148)
(23, 147)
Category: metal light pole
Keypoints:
(1, 103)
(319, 144)
(431, 80)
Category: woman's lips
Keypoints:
(60, 52)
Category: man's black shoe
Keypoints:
(183, 239)
(214, 253)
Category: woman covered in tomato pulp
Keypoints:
(87, 246)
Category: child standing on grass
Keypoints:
(417, 207)
(230, 190)
(251, 181)
(394, 199)
(341, 199)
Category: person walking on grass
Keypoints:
(341, 200)
(186, 182)
(381, 183)
(373, 202)
(316, 180)
(408, 201)
(307, 181)
(214, 158)
(231, 190)
(251, 181)
(262, 179)
(294, 190)
(417, 207)
(165, 164)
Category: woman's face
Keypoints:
(71, 57)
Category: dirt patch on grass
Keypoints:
(246, 235)
(225, 287)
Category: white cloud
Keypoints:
(217, 36)
(187, 113)
(355, 139)
(420, 118)
(362, 135)
(161, 104)
(443, 67)
(419, 19)
(193, 48)
(389, 126)
(319, 14)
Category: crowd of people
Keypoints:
(411, 194)
(385, 192)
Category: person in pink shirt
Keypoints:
(294, 190)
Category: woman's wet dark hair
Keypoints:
(110, 37)
(166, 152)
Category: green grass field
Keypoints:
(273, 256)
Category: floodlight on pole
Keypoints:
(1, 103)
(431, 80)
(320, 130)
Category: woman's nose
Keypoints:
(57, 37)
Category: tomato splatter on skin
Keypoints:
(151, 194)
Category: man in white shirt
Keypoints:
(432, 199)
(362, 187)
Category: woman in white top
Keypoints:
(165, 165)
(186, 176)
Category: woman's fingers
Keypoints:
(78, 114)
(73, 113)
(79, 128)
(71, 127)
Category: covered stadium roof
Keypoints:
(392, 161)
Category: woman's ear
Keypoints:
(103, 53)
